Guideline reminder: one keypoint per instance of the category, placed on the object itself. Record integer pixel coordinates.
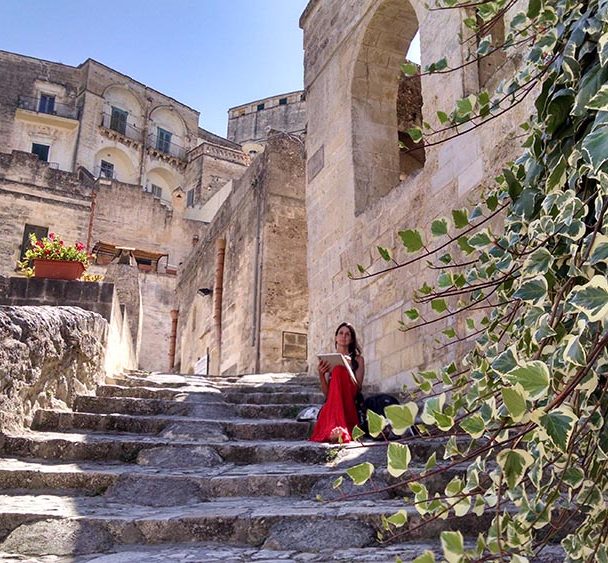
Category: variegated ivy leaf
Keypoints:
(401, 417)
(398, 519)
(532, 290)
(574, 351)
(439, 227)
(375, 423)
(513, 465)
(599, 251)
(514, 399)
(432, 405)
(452, 544)
(411, 239)
(361, 473)
(591, 298)
(538, 262)
(426, 557)
(559, 424)
(533, 378)
(474, 425)
(398, 458)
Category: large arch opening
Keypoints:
(113, 163)
(384, 104)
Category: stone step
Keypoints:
(193, 408)
(214, 553)
(178, 485)
(279, 397)
(148, 450)
(173, 426)
(271, 522)
(186, 393)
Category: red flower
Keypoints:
(52, 236)
(79, 246)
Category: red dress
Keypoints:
(339, 410)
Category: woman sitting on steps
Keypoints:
(338, 416)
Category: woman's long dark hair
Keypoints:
(354, 349)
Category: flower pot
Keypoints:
(58, 269)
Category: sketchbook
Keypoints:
(335, 359)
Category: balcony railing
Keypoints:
(162, 145)
(125, 129)
(104, 173)
(32, 103)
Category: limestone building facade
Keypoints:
(98, 157)
(361, 189)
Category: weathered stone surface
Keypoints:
(59, 537)
(47, 356)
(316, 535)
(197, 456)
(151, 491)
(194, 431)
(373, 489)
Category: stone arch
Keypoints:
(164, 179)
(169, 118)
(378, 103)
(123, 98)
(125, 170)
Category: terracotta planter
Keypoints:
(58, 269)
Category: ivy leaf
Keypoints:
(595, 148)
(426, 557)
(360, 473)
(574, 351)
(401, 417)
(559, 424)
(443, 117)
(505, 362)
(357, 433)
(439, 305)
(513, 464)
(474, 425)
(479, 240)
(599, 251)
(411, 239)
(533, 8)
(398, 519)
(398, 459)
(415, 134)
(386, 255)
(409, 69)
(461, 218)
(600, 100)
(591, 298)
(533, 377)
(533, 290)
(538, 262)
(375, 423)
(412, 314)
(464, 107)
(439, 227)
(452, 544)
(513, 398)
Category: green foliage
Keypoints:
(53, 248)
(529, 399)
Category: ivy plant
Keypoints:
(522, 279)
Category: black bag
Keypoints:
(377, 404)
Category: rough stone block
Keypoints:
(17, 287)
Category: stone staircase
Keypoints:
(185, 468)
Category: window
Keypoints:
(37, 230)
(157, 191)
(118, 120)
(46, 104)
(282, 101)
(163, 140)
(190, 198)
(260, 107)
(106, 169)
(42, 151)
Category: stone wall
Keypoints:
(356, 199)
(254, 121)
(48, 355)
(264, 286)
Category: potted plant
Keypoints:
(52, 258)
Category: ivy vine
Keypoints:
(526, 409)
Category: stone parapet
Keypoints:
(91, 296)
(48, 355)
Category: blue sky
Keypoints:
(208, 54)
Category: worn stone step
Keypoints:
(160, 486)
(173, 426)
(279, 397)
(272, 522)
(156, 450)
(194, 408)
(186, 393)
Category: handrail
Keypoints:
(162, 145)
(124, 128)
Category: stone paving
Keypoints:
(183, 468)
